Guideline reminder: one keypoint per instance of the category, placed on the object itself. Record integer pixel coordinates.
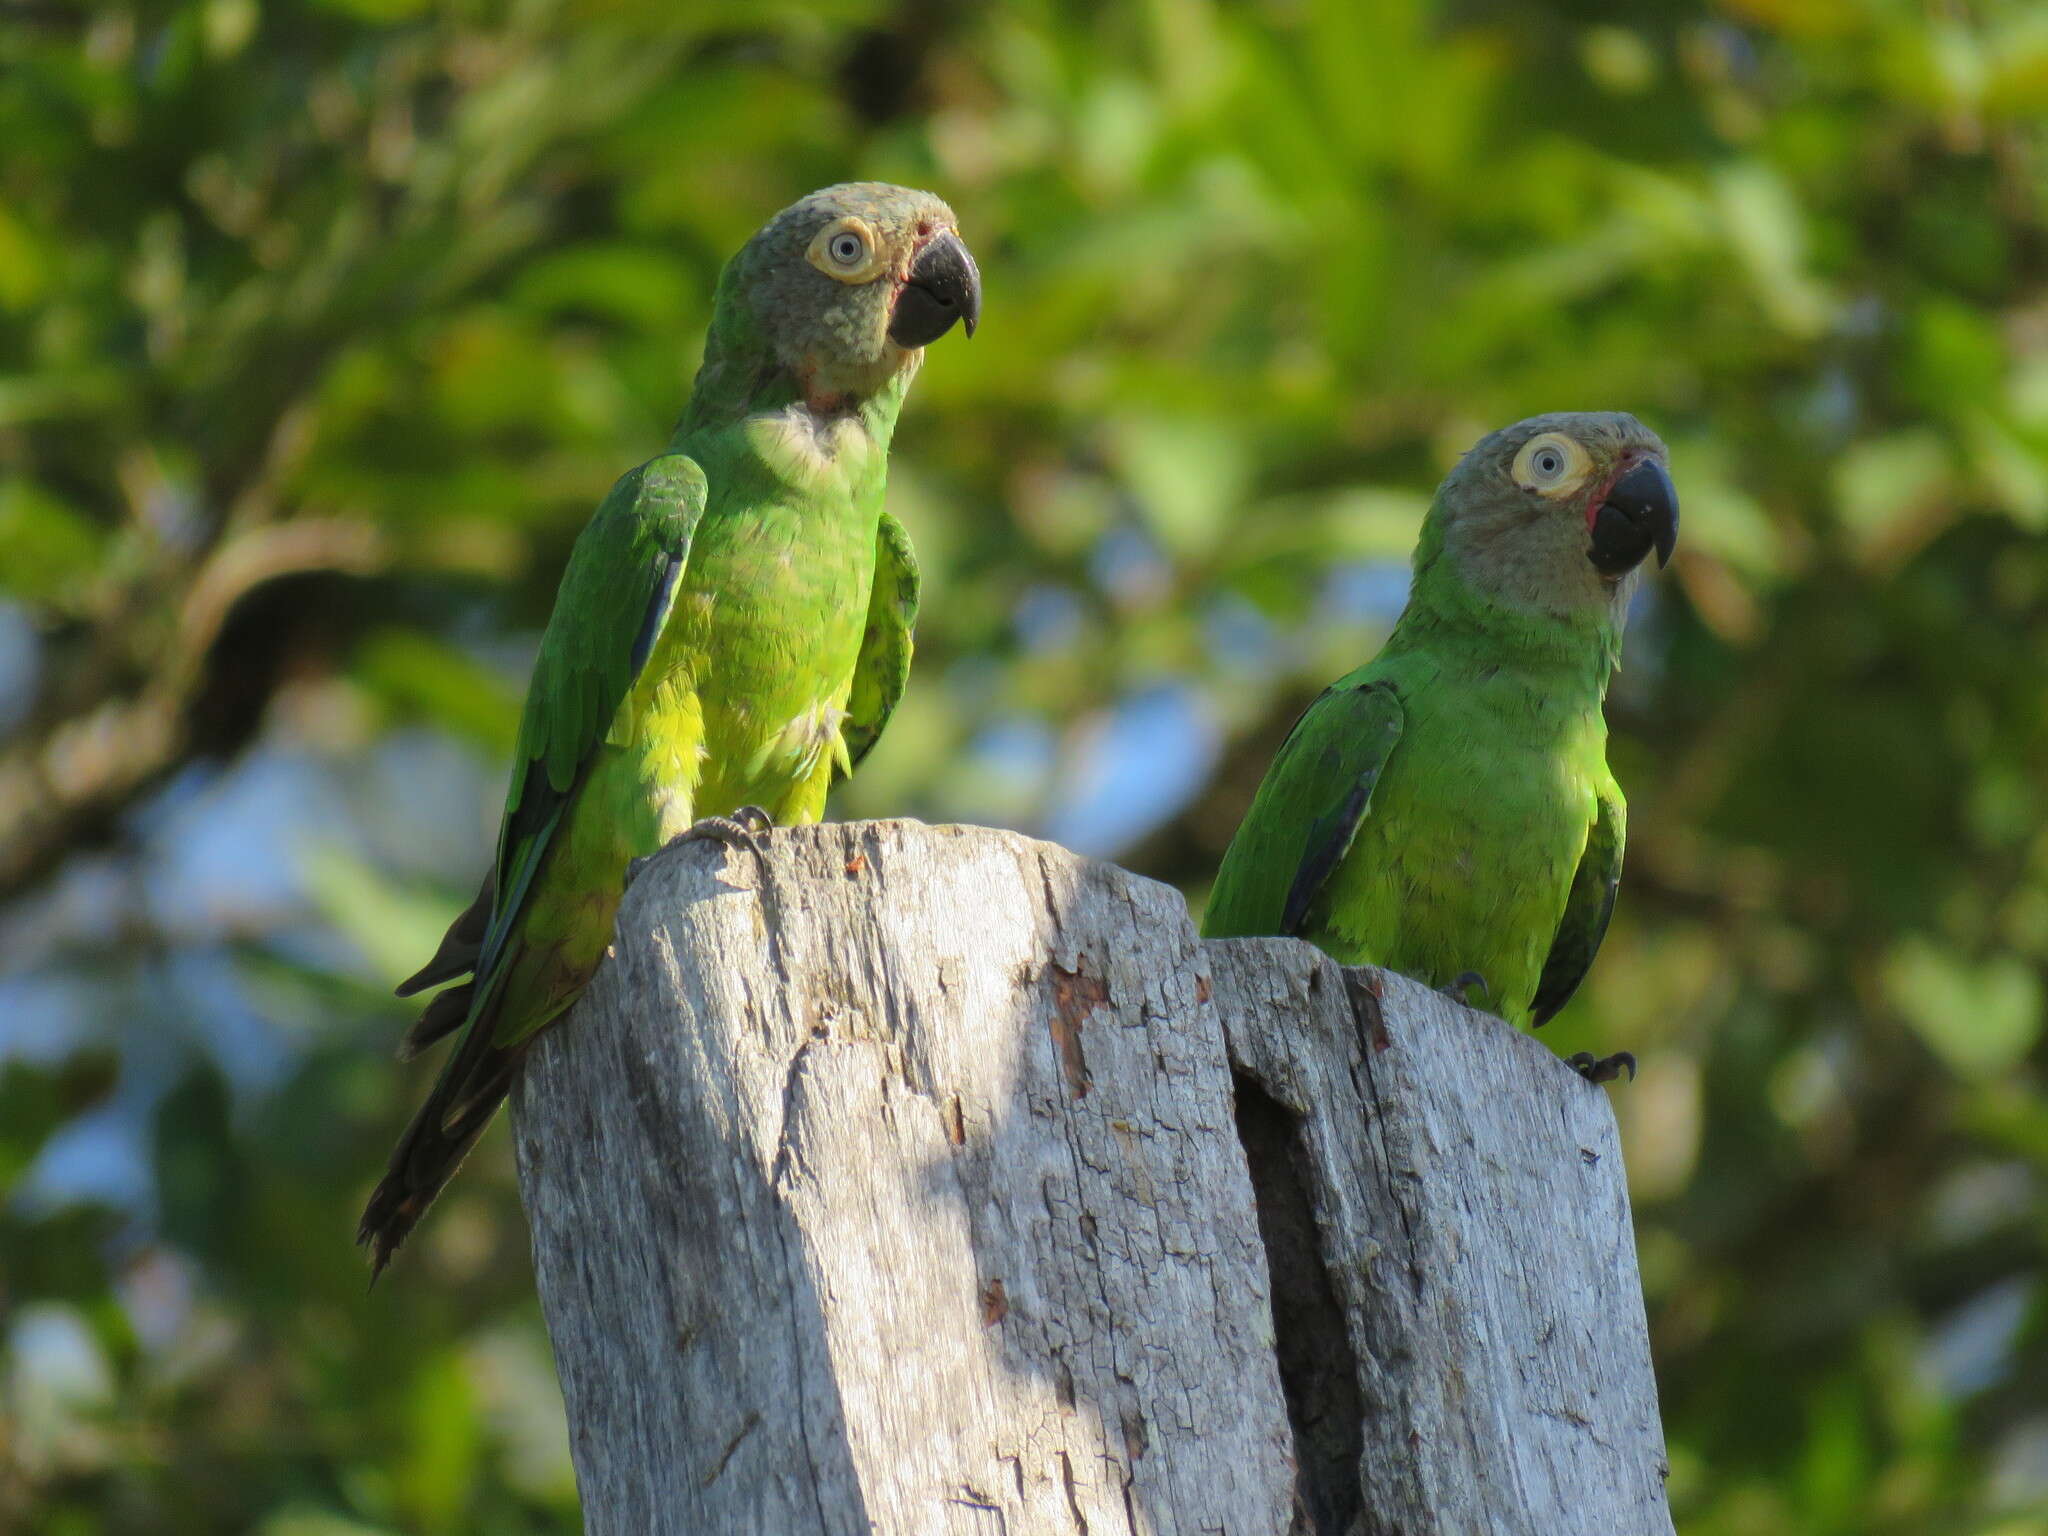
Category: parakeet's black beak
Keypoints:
(944, 286)
(1640, 514)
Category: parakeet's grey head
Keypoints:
(1556, 514)
(844, 288)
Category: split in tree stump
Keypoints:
(915, 1179)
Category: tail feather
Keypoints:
(462, 1102)
(460, 946)
(443, 1015)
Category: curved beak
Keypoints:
(1639, 514)
(944, 286)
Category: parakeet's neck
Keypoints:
(1577, 649)
(742, 384)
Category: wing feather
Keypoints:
(883, 670)
(615, 596)
(1586, 910)
(1307, 811)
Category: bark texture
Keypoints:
(1452, 1194)
(921, 1179)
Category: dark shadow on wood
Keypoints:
(739, 1396)
(1318, 1370)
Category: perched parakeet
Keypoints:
(1446, 810)
(733, 631)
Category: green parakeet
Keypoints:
(733, 630)
(1446, 810)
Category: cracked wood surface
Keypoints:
(889, 1183)
(897, 1181)
(1472, 1221)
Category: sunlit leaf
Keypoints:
(1978, 1017)
(47, 549)
(447, 685)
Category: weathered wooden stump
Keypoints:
(920, 1179)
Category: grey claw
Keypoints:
(744, 828)
(1602, 1069)
(1461, 986)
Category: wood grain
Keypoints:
(931, 1180)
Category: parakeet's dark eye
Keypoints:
(847, 248)
(1551, 463)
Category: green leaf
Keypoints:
(387, 921)
(1189, 474)
(444, 1442)
(1767, 231)
(443, 683)
(1886, 488)
(636, 285)
(24, 269)
(1981, 1018)
(51, 551)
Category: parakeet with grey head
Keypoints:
(1446, 810)
(733, 630)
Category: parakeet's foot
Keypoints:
(1602, 1069)
(1460, 989)
(744, 828)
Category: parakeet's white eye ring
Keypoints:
(1551, 463)
(847, 249)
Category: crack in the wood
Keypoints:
(801, 1365)
(772, 915)
(1045, 890)
(785, 1151)
(1136, 1440)
(976, 1500)
(1362, 991)
(1319, 1371)
(795, 1282)
(1131, 1526)
(1073, 1503)
(771, 919)
(753, 1421)
(1062, 1381)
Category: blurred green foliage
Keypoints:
(323, 326)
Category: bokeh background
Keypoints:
(323, 327)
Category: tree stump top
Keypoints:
(933, 1179)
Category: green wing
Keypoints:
(1307, 811)
(882, 671)
(614, 600)
(615, 597)
(1586, 909)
